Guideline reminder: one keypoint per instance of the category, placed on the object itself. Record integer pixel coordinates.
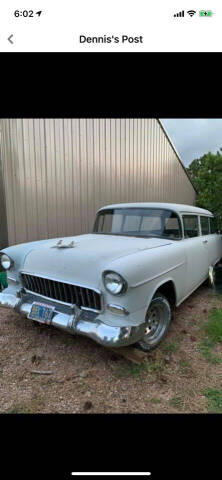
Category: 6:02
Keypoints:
(26, 13)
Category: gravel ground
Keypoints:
(86, 377)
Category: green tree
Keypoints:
(206, 174)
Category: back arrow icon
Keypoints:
(10, 38)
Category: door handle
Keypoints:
(205, 241)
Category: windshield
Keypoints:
(142, 222)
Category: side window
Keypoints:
(213, 226)
(205, 227)
(190, 223)
(172, 227)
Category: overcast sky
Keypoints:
(194, 137)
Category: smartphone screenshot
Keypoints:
(110, 239)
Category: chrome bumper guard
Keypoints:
(77, 321)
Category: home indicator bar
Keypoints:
(111, 474)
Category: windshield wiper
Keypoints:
(148, 235)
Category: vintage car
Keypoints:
(118, 284)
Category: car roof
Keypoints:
(176, 207)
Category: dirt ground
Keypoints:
(87, 378)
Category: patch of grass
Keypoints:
(184, 363)
(212, 334)
(185, 367)
(213, 327)
(155, 400)
(176, 402)
(155, 366)
(19, 408)
(170, 347)
(206, 348)
(192, 323)
(138, 370)
(32, 405)
(214, 400)
(129, 370)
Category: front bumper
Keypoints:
(77, 321)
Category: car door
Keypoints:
(205, 233)
(196, 251)
(214, 241)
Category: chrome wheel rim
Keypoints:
(157, 320)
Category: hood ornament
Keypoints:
(59, 244)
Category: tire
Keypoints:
(218, 274)
(158, 318)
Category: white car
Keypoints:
(116, 285)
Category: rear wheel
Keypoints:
(158, 318)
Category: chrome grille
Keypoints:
(63, 292)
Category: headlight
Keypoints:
(114, 283)
(6, 262)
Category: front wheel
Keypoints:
(158, 318)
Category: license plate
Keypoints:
(41, 313)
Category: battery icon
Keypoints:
(206, 13)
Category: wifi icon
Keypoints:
(191, 13)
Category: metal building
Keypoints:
(57, 172)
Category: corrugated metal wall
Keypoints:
(3, 219)
(57, 173)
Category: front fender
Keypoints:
(158, 285)
(18, 254)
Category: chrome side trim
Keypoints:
(157, 276)
(12, 279)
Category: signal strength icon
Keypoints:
(179, 14)
(191, 13)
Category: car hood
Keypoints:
(83, 263)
